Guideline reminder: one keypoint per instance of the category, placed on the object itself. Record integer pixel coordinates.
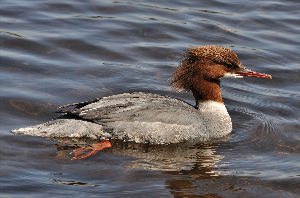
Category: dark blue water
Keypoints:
(58, 52)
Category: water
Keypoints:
(58, 52)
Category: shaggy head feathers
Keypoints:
(198, 60)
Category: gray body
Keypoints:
(139, 117)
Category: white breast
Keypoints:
(215, 118)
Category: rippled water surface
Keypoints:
(58, 52)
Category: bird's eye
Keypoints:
(192, 59)
(229, 65)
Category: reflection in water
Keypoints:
(196, 161)
(193, 168)
(173, 157)
(72, 183)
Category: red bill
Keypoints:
(248, 72)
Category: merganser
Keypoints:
(156, 119)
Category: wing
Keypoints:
(130, 107)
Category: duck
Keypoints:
(152, 118)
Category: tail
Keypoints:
(65, 128)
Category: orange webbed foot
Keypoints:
(84, 152)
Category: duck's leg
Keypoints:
(84, 152)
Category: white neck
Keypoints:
(217, 119)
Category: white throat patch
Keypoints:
(231, 75)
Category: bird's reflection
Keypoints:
(193, 167)
(186, 156)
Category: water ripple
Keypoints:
(56, 52)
